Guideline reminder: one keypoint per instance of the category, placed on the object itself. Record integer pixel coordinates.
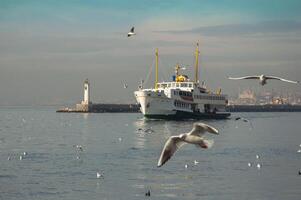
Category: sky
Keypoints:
(48, 48)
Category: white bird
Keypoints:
(263, 79)
(21, 158)
(79, 147)
(24, 153)
(299, 151)
(257, 156)
(258, 166)
(131, 32)
(249, 164)
(186, 166)
(193, 137)
(125, 85)
(99, 175)
(196, 162)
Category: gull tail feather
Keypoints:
(206, 144)
(209, 143)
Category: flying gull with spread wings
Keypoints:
(195, 136)
(263, 79)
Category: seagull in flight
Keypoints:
(131, 32)
(263, 79)
(195, 136)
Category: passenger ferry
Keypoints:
(181, 98)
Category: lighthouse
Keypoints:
(86, 104)
(86, 100)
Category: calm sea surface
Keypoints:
(55, 169)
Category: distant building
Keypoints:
(246, 97)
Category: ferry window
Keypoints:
(190, 85)
(164, 85)
(183, 84)
(177, 85)
(173, 84)
(168, 84)
(180, 92)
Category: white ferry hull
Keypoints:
(156, 105)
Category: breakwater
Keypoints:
(264, 108)
(132, 108)
(103, 108)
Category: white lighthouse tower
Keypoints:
(86, 104)
(86, 93)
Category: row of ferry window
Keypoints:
(164, 85)
(209, 97)
(181, 104)
(182, 93)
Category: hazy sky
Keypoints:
(49, 47)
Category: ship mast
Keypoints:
(156, 80)
(196, 79)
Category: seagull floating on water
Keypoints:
(193, 137)
(79, 147)
(244, 120)
(196, 162)
(249, 164)
(131, 32)
(258, 166)
(99, 175)
(125, 85)
(263, 79)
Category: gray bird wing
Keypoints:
(199, 129)
(281, 79)
(171, 146)
(244, 77)
(132, 29)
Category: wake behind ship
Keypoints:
(181, 98)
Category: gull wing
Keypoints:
(171, 146)
(281, 79)
(244, 77)
(132, 29)
(199, 129)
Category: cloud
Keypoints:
(266, 27)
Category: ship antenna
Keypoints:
(156, 81)
(196, 80)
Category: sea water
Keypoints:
(117, 146)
